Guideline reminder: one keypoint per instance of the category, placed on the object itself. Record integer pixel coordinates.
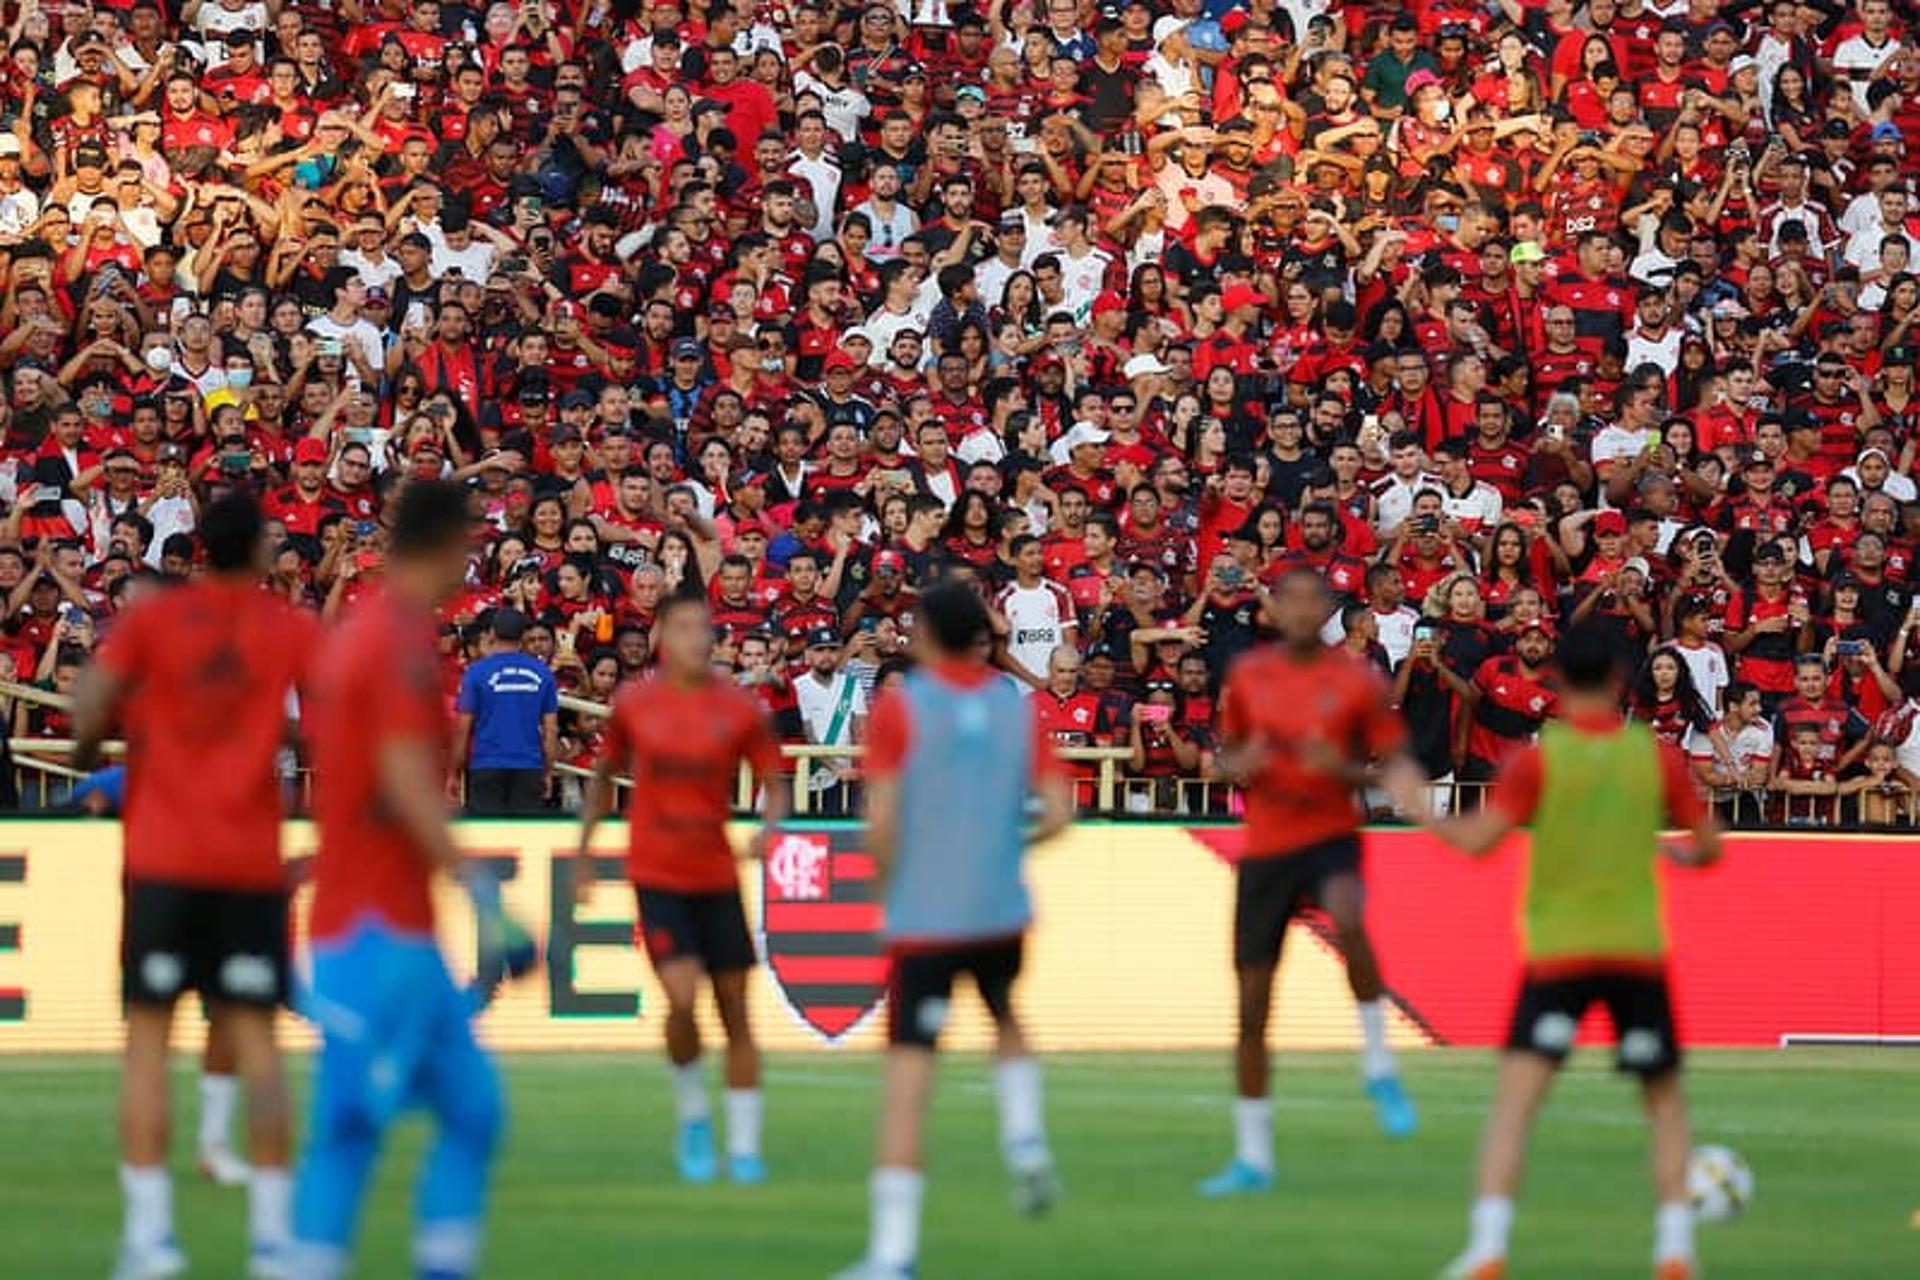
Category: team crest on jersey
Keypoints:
(820, 929)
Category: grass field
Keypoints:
(586, 1189)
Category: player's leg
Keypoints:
(1264, 895)
(917, 1003)
(1649, 1048)
(269, 1139)
(673, 945)
(219, 1090)
(726, 949)
(157, 964)
(1343, 897)
(460, 1085)
(247, 989)
(744, 1103)
(1016, 1083)
(356, 989)
(1541, 1033)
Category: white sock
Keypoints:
(1253, 1133)
(217, 1094)
(744, 1108)
(1376, 1060)
(451, 1247)
(690, 1092)
(270, 1206)
(1488, 1226)
(149, 1193)
(1673, 1231)
(896, 1217)
(1023, 1126)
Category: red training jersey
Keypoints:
(207, 667)
(1281, 701)
(683, 747)
(377, 680)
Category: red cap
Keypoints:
(1234, 21)
(1541, 625)
(1609, 522)
(1236, 296)
(1108, 301)
(566, 310)
(742, 528)
(310, 450)
(890, 560)
(840, 360)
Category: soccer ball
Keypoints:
(1719, 1183)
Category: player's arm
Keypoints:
(889, 732)
(95, 695)
(1687, 809)
(1511, 804)
(412, 789)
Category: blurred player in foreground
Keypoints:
(102, 794)
(199, 675)
(1300, 723)
(396, 1028)
(952, 758)
(1597, 793)
(681, 736)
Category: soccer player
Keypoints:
(199, 675)
(681, 737)
(1300, 725)
(952, 757)
(396, 1030)
(1596, 792)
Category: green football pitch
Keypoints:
(586, 1189)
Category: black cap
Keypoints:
(823, 638)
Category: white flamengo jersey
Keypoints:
(1037, 619)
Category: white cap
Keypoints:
(1082, 433)
(1164, 27)
(1740, 62)
(1143, 365)
(1640, 566)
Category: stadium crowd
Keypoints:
(1498, 316)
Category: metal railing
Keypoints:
(1104, 786)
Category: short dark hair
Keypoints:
(431, 515)
(686, 596)
(230, 530)
(956, 619)
(1587, 658)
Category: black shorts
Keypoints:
(710, 927)
(920, 988)
(229, 945)
(1268, 891)
(1548, 1012)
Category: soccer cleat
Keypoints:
(160, 1261)
(1676, 1269)
(1392, 1107)
(220, 1166)
(746, 1171)
(695, 1152)
(867, 1269)
(266, 1261)
(1467, 1267)
(1237, 1179)
(1036, 1186)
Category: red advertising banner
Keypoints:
(1789, 935)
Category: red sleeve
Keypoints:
(757, 742)
(120, 654)
(1517, 792)
(1386, 731)
(1684, 805)
(615, 746)
(889, 733)
(1232, 714)
(1046, 761)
